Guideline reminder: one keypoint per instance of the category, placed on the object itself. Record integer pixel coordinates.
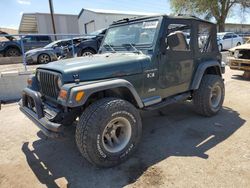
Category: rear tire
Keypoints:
(108, 132)
(208, 99)
(12, 52)
(238, 44)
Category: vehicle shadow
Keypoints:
(173, 131)
(240, 77)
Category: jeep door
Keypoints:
(176, 64)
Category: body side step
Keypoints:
(169, 100)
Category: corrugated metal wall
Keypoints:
(101, 20)
(65, 24)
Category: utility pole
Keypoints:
(52, 17)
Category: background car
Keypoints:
(62, 49)
(228, 40)
(12, 46)
(48, 53)
(89, 45)
(239, 58)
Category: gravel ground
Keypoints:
(178, 149)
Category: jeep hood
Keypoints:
(99, 66)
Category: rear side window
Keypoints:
(43, 38)
(204, 38)
(30, 39)
(65, 43)
(227, 36)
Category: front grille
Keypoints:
(48, 83)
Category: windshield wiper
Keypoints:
(105, 45)
(133, 46)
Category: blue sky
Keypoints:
(11, 10)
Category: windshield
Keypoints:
(220, 35)
(140, 33)
(50, 45)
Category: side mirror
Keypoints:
(55, 46)
(163, 45)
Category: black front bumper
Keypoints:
(50, 129)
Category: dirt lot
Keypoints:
(17, 67)
(178, 149)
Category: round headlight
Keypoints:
(59, 82)
(236, 53)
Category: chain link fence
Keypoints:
(25, 52)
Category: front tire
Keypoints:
(208, 99)
(108, 132)
(220, 47)
(43, 59)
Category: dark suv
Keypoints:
(143, 64)
(12, 47)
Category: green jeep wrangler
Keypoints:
(144, 63)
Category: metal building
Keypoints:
(90, 20)
(41, 23)
(237, 28)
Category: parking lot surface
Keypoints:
(16, 67)
(178, 149)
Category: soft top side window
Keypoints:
(205, 37)
(178, 37)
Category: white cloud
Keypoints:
(21, 13)
(24, 2)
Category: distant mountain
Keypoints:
(9, 31)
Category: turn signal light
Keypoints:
(79, 96)
(63, 94)
(29, 81)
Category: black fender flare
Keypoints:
(202, 67)
(91, 88)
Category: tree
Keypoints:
(219, 9)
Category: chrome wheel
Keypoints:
(44, 58)
(116, 135)
(215, 96)
(87, 54)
